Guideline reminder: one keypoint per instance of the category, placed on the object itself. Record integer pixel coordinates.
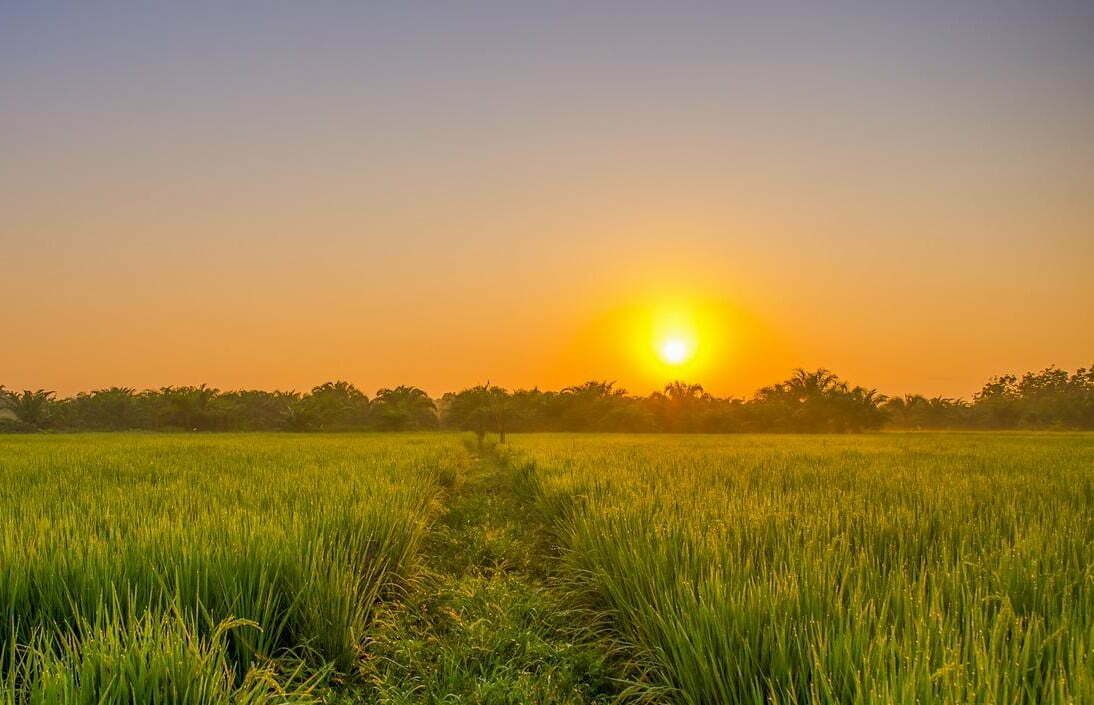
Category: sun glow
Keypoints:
(661, 337)
(675, 351)
(674, 334)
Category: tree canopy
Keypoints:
(809, 401)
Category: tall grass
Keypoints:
(122, 557)
(919, 568)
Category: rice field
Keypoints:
(889, 568)
(202, 569)
(226, 569)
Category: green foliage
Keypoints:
(483, 627)
(188, 408)
(116, 548)
(255, 410)
(335, 406)
(808, 402)
(915, 411)
(860, 570)
(482, 409)
(31, 408)
(112, 409)
(1050, 397)
(814, 402)
(14, 425)
(403, 409)
(146, 661)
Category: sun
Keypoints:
(675, 351)
(671, 338)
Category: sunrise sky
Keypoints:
(277, 194)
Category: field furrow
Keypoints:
(485, 624)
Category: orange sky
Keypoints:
(275, 199)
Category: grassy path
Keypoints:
(483, 625)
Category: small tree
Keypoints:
(480, 409)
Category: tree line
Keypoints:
(815, 401)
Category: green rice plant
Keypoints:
(146, 661)
(299, 536)
(893, 568)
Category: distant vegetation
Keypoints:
(807, 402)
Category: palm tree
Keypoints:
(481, 409)
(30, 407)
(190, 407)
(113, 408)
(808, 385)
(403, 408)
(590, 406)
(809, 402)
(681, 407)
(595, 389)
(337, 406)
(863, 409)
(681, 391)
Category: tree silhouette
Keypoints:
(592, 406)
(480, 409)
(254, 410)
(336, 406)
(189, 408)
(807, 401)
(818, 401)
(403, 408)
(30, 407)
(682, 407)
(112, 409)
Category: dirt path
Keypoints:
(484, 626)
